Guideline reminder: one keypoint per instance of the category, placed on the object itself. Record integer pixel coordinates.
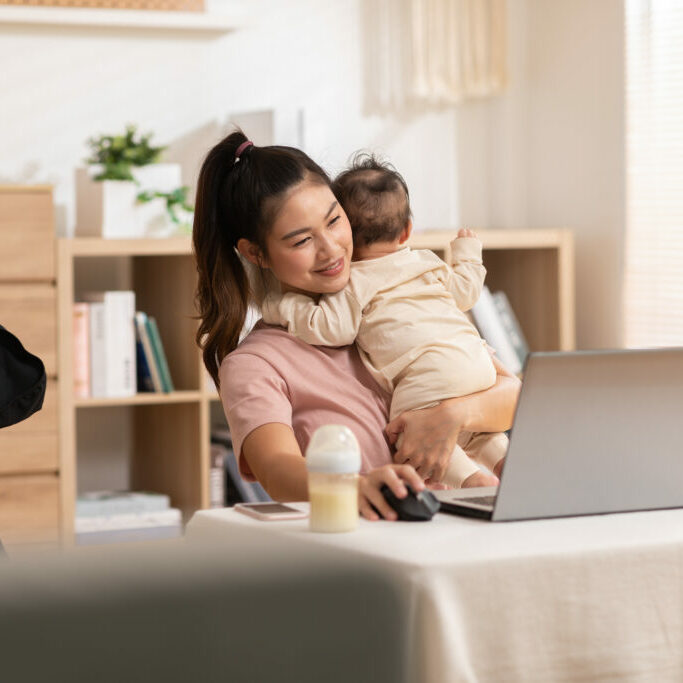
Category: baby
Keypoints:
(405, 310)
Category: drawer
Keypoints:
(27, 230)
(30, 313)
(33, 444)
(29, 508)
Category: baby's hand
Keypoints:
(466, 232)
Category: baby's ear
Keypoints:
(405, 233)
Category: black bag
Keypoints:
(22, 380)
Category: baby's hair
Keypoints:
(375, 198)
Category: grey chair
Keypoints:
(187, 616)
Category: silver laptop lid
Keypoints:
(596, 432)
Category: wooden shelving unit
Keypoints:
(535, 268)
(169, 446)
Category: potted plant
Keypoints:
(120, 169)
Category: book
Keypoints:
(132, 520)
(145, 383)
(81, 349)
(159, 355)
(98, 350)
(146, 350)
(118, 353)
(511, 325)
(488, 322)
(129, 535)
(141, 526)
(217, 477)
(104, 503)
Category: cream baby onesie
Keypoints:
(405, 311)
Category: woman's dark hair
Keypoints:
(375, 198)
(237, 199)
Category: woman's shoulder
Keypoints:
(267, 340)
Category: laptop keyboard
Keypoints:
(480, 500)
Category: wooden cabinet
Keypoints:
(29, 310)
(29, 458)
(28, 233)
(29, 508)
(32, 445)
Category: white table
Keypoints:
(578, 599)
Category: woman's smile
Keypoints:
(333, 269)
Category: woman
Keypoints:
(271, 210)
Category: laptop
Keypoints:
(595, 432)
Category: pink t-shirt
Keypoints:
(274, 377)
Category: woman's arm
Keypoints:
(274, 456)
(275, 459)
(430, 435)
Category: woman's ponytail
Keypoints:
(236, 183)
(222, 287)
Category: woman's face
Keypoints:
(309, 246)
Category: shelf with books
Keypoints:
(161, 437)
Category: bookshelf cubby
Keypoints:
(167, 438)
(170, 433)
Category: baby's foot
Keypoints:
(466, 232)
(479, 479)
(498, 467)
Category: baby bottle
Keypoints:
(333, 462)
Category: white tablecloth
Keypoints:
(578, 599)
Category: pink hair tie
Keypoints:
(241, 148)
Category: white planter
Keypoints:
(160, 177)
(109, 208)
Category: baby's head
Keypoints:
(375, 199)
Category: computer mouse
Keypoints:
(415, 507)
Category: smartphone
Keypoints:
(270, 511)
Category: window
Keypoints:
(653, 301)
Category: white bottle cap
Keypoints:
(334, 449)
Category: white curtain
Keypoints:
(430, 53)
(653, 302)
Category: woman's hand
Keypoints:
(395, 477)
(430, 434)
(428, 438)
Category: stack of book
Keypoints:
(236, 489)
(122, 516)
(117, 352)
(498, 325)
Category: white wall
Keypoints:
(550, 152)
(58, 87)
